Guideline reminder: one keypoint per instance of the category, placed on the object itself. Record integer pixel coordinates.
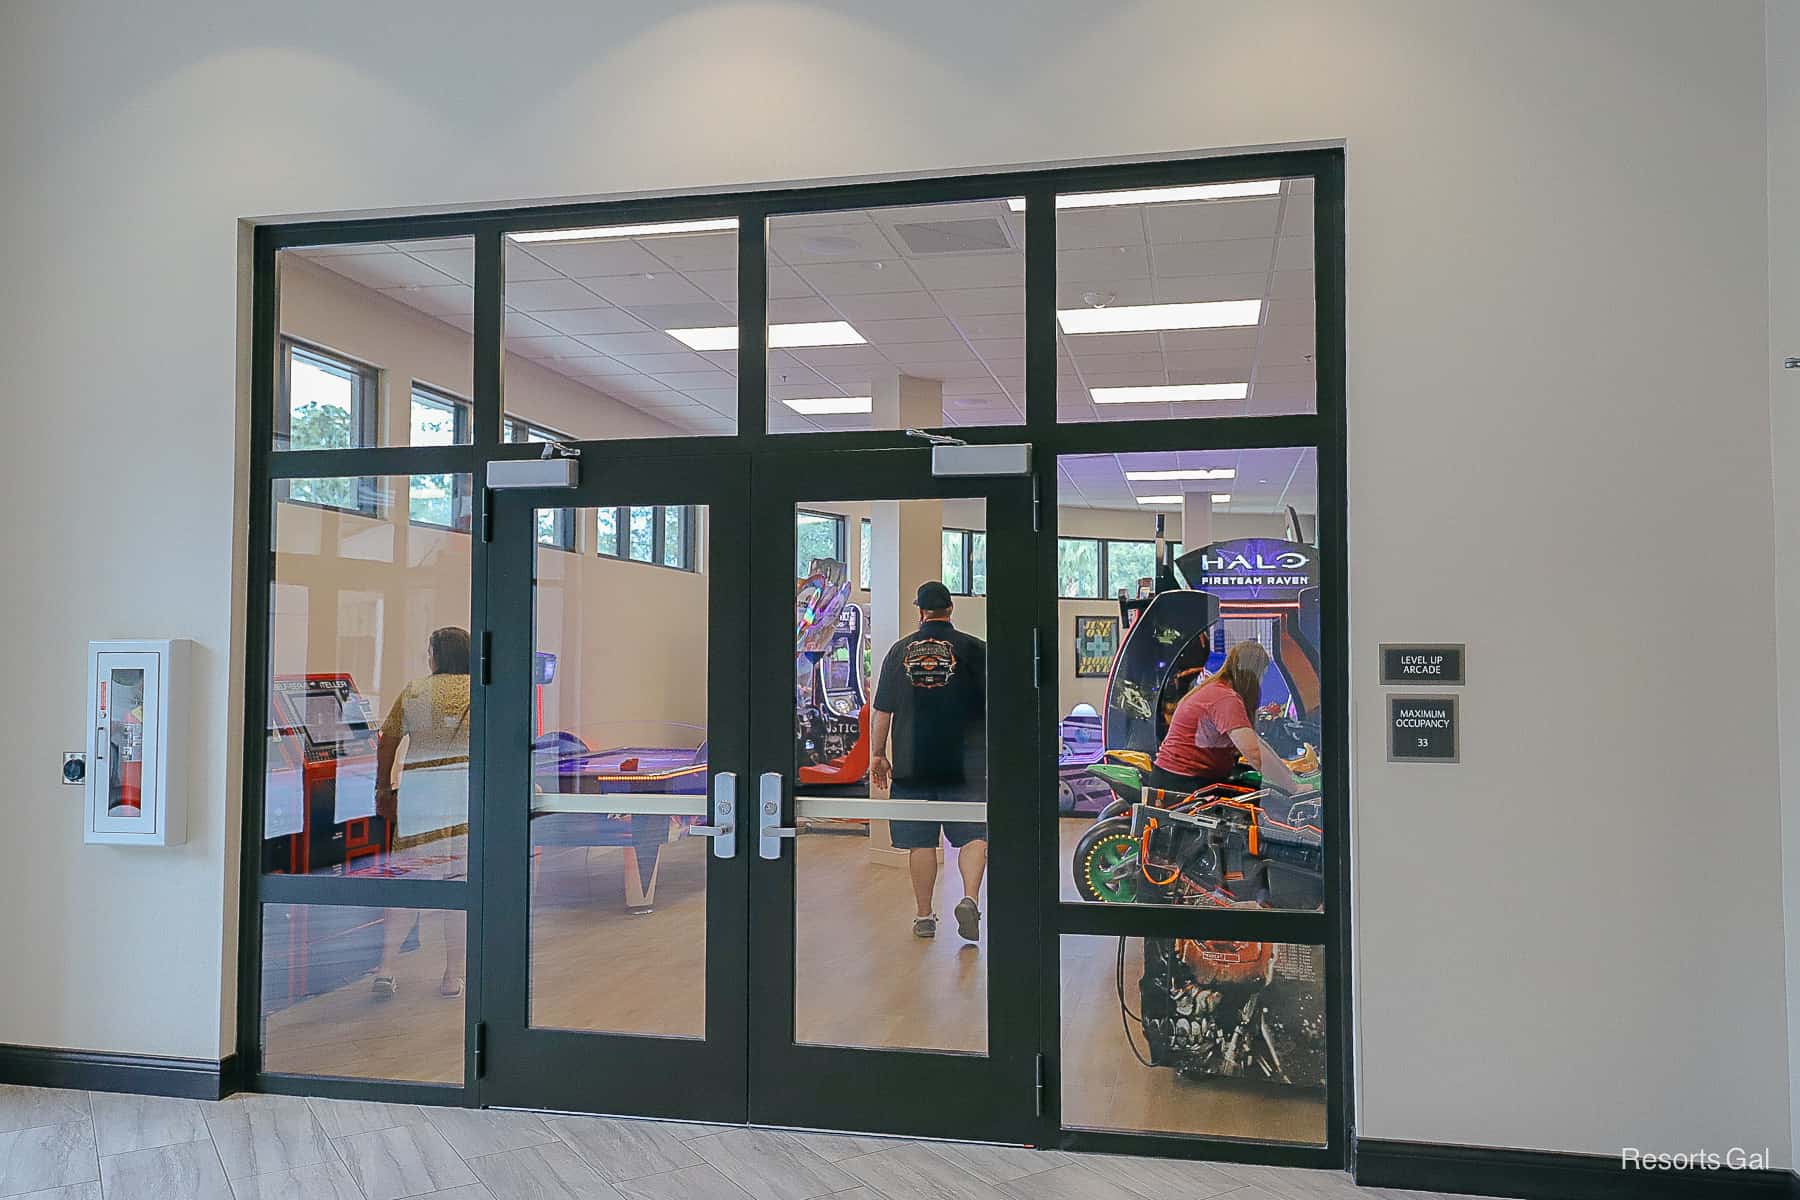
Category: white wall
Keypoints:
(1557, 330)
(1783, 81)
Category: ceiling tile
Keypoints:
(629, 290)
(657, 364)
(1213, 258)
(1189, 289)
(544, 295)
(389, 270)
(809, 308)
(440, 300)
(701, 314)
(803, 245)
(964, 302)
(578, 259)
(694, 251)
(1124, 291)
(916, 329)
(1007, 326)
(720, 285)
(884, 306)
(1213, 220)
(858, 278)
(1107, 265)
(1087, 228)
(592, 320)
(946, 271)
(632, 343)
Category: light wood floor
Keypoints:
(863, 980)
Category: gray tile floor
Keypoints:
(68, 1145)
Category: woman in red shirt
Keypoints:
(1212, 728)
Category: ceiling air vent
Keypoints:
(954, 237)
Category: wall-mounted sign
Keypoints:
(1422, 664)
(1422, 729)
(1096, 643)
(1251, 569)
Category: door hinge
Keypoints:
(1037, 658)
(487, 514)
(1038, 1088)
(481, 1052)
(487, 658)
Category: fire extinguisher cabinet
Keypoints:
(136, 782)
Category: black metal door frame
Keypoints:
(695, 1079)
(1323, 429)
(989, 1097)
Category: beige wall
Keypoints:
(1558, 328)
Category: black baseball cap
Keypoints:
(933, 596)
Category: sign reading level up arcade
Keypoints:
(1422, 664)
(1422, 729)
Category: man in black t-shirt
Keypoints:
(932, 695)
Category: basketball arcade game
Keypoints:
(1209, 1008)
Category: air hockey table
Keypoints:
(637, 798)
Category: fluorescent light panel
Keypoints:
(602, 232)
(1164, 195)
(1184, 473)
(1217, 498)
(1169, 393)
(1151, 318)
(818, 406)
(793, 336)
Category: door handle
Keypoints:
(723, 831)
(768, 817)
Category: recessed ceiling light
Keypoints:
(817, 406)
(1217, 498)
(1148, 318)
(1185, 473)
(781, 337)
(1163, 195)
(1169, 393)
(602, 232)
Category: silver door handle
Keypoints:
(768, 816)
(723, 830)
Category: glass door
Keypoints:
(893, 920)
(616, 927)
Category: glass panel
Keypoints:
(1185, 302)
(1224, 1039)
(641, 541)
(618, 894)
(606, 529)
(365, 327)
(626, 331)
(816, 535)
(863, 553)
(978, 563)
(122, 702)
(1077, 567)
(1129, 564)
(674, 552)
(363, 993)
(1212, 699)
(891, 901)
(891, 318)
(953, 561)
(368, 735)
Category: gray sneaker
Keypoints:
(968, 919)
(925, 927)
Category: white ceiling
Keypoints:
(596, 311)
(1268, 480)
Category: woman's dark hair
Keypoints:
(450, 651)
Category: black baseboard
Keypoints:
(1545, 1175)
(142, 1074)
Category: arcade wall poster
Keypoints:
(1096, 642)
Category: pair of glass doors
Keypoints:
(703, 888)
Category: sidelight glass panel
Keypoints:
(1185, 302)
(889, 318)
(368, 712)
(1188, 1036)
(891, 907)
(1235, 811)
(619, 774)
(363, 993)
(375, 346)
(624, 331)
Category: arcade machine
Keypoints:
(320, 804)
(831, 684)
(1218, 1008)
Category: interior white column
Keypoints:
(906, 548)
(1196, 519)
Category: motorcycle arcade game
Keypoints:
(1208, 1009)
(831, 682)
